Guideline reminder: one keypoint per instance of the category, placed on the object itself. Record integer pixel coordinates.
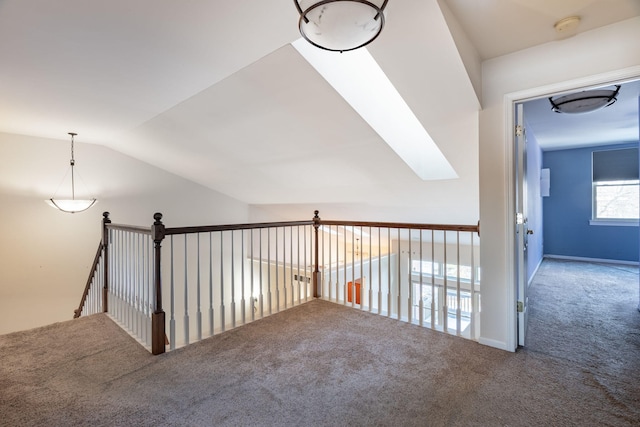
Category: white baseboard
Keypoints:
(577, 258)
(495, 344)
(535, 270)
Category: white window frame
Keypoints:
(597, 220)
(609, 168)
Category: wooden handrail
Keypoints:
(440, 227)
(132, 228)
(78, 312)
(231, 227)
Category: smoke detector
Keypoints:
(567, 27)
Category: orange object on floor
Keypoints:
(350, 291)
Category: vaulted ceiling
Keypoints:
(213, 90)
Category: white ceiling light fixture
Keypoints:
(585, 101)
(567, 27)
(72, 205)
(340, 25)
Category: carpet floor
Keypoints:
(325, 364)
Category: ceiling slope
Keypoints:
(276, 132)
(103, 68)
(215, 93)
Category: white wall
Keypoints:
(590, 58)
(45, 255)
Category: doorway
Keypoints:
(540, 133)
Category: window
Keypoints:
(438, 268)
(616, 189)
(616, 199)
(427, 268)
(465, 272)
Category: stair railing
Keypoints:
(94, 295)
(91, 301)
(229, 275)
(219, 277)
(426, 274)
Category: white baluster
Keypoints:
(186, 292)
(222, 314)
(458, 311)
(211, 311)
(198, 312)
(233, 292)
(243, 261)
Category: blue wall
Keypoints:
(567, 212)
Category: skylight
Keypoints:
(358, 78)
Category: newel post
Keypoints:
(157, 318)
(105, 247)
(316, 270)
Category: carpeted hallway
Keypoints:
(325, 364)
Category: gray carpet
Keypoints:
(324, 364)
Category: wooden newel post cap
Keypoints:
(157, 230)
(105, 217)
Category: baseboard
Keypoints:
(495, 344)
(585, 259)
(535, 271)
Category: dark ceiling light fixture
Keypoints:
(340, 25)
(585, 101)
(71, 205)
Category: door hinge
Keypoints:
(519, 130)
(519, 218)
(520, 306)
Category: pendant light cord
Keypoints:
(73, 162)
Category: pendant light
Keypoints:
(72, 205)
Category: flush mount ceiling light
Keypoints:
(567, 27)
(585, 101)
(72, 205)
(340, 25)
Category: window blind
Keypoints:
(615, 165)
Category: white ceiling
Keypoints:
(617, 123)
(213, 91)
(500, 27)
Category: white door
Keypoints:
(522, 230)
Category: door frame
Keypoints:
(509, 101)
(520, 204)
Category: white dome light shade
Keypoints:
(340, 25)
(71, 205)
(585, 101)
